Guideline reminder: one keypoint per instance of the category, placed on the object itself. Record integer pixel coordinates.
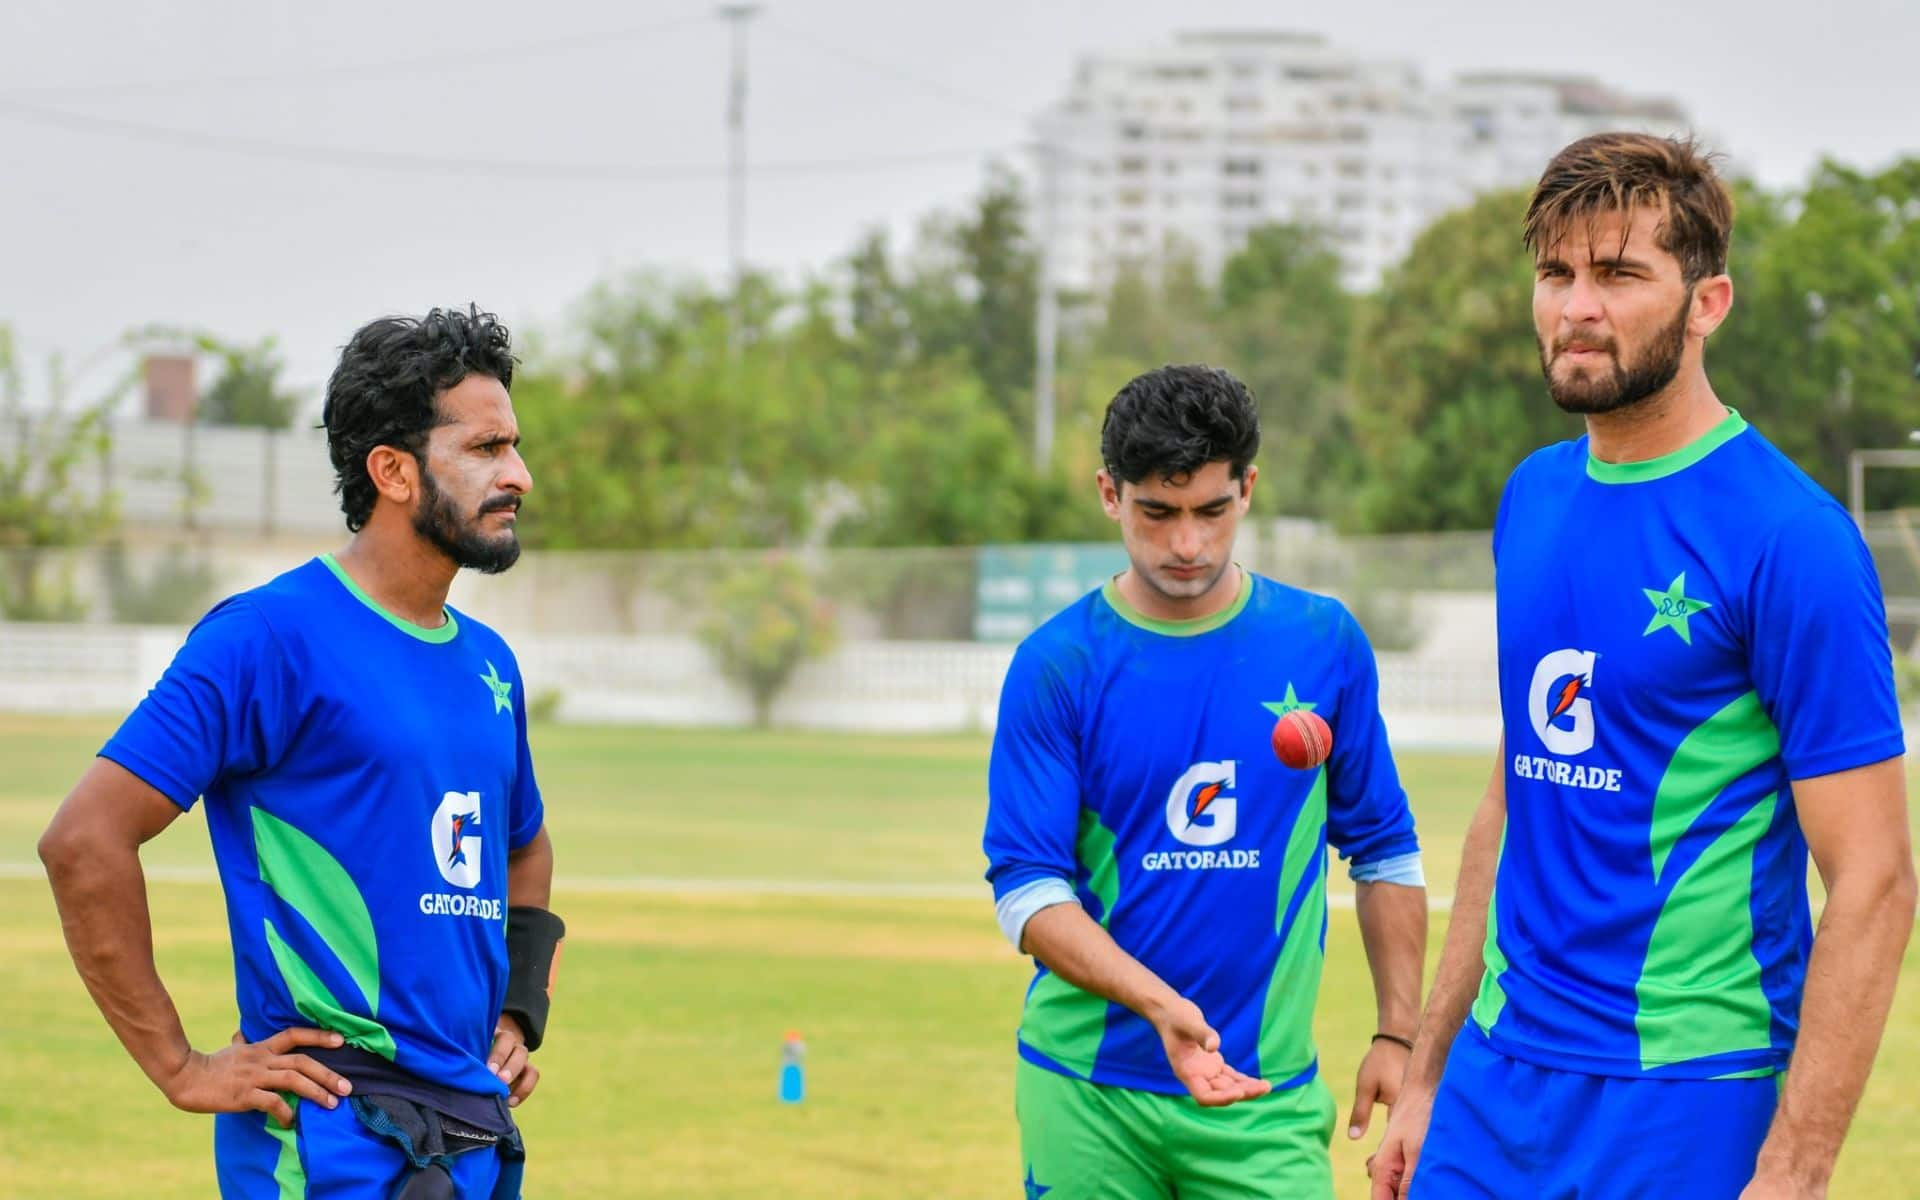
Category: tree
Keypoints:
(248, 390)
(1822, 343)
(44, 506)
(1003, 272)
(765, 620)
(1286, 327)
(673, 434)
(1446, 389)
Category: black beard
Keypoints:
(1627, 386)
(440, 523)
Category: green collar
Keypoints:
(1198, 625)
(445, 633)
(1668, 464)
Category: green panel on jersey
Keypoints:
(1700, 990)
(315, 885)
(1720, 750)
(1061, 1021)
(1493, 997)
(314, 1002)
(1286, 1025)
(288, 1174)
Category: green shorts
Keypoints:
(1083, 1141)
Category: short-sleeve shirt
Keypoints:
(365, 779)
(1134, 759)
(1679, 639)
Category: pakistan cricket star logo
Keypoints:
(502, 690)
(1672, 608)
(1287, 704)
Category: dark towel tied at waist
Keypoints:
(372, 1075)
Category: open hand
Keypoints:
(1193, 1051)
(245, 1076)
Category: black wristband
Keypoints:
(1394, 1038)
(533, 943)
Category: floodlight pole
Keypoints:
(737, 16)
(1046, 318)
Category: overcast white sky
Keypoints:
(104, 227)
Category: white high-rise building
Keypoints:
(1188, 147)
(1506, 125)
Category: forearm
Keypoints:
(101, 894)
(1393, 928)
(530, 873)
(1856, 958)
(1457, 979)
(1079, 950)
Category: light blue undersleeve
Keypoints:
(1403, 869)
(1017, 907)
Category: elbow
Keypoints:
(69, 847)
(1904, 892)
(60, 851)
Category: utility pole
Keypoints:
(737, 16)
(1046, 317)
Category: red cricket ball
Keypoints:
(1301, 739)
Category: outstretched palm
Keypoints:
(1193, 1051)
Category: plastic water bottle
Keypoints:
(793, 1069)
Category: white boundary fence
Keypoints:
(917, 687)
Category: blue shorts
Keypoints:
(328, 1155)
(1503, 1129)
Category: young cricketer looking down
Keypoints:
(1163, 868)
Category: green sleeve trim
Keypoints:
(1730, 427)
(1199, 625)
(314, 884)
(445, 633)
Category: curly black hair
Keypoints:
(1175, 420)
(385, 391)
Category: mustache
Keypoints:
(1580, 343)
(507, 503)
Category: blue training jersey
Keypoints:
(1679, 639)
(1133, 758)
(365, 779)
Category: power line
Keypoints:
(409, 65)
(410, 162)
(931, 86)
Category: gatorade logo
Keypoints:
(456, 838)
(1557, 701)
(1202, 809)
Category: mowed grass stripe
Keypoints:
(660, 1073)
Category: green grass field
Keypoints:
(659, 1076)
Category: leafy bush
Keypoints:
(766, 619)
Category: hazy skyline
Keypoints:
(322, 165)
